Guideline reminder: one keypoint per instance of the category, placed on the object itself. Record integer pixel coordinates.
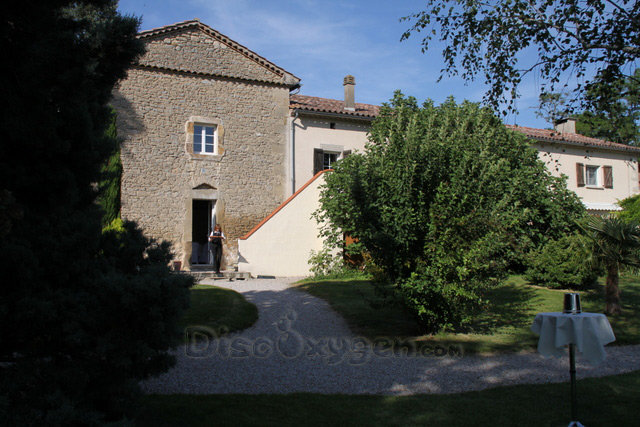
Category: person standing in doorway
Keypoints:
(216, 238)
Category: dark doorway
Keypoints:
(200, 230)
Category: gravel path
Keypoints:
(299, 344)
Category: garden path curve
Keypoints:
(299, 344)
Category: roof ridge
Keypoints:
(555, 136)
(166, 28)
(331, 99)
(307, 104)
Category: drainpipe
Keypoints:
(292, 148)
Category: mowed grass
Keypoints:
(504, 327)
(608, 401)
(217, 311)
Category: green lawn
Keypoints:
(505, 327)
(608, 401)
(217, 310)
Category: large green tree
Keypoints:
(630, 208)
(84, 315)
(505, 40)
(613, 110)
(444, 199)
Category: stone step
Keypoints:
(201, 274)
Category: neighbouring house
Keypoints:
(324, 131)
(214, 133)
(600, 172)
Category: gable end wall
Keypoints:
(160, 174)
(192, 50)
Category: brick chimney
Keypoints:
(349, 93)
(567, 125)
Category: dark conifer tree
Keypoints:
(84, 315)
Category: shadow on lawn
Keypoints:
(609, 401)
(503, 326)
(510, 305)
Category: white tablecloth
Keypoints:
(590, 332)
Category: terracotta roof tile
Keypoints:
(331, 106)
(570, 138)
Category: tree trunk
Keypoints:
(612, 291)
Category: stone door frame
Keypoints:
(198, 193)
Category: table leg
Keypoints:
(574, 399)
(572, 371)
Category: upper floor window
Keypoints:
(592, 176)
(326, 159)
(329, 159)
(205, 139)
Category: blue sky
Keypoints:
(321, 41)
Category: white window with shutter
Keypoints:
(326, 156)
(594, 176)
(591, 176)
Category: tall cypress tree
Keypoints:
(79, 325)
(111, 175)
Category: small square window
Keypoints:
(205, 139)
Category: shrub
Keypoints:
(325, 264)
(630, 208)
(563, 264)
(444, 199)
(101, 334)
(110, 175)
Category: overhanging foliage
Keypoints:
(505, 40)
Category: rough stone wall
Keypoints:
(159, 171)
(193, 50)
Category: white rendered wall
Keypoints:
(562, 159)
(311, 132)
(281, 245)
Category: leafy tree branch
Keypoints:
(569, 37)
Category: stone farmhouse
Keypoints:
(204, 127)
(214, 133)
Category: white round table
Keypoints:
(589, 332)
